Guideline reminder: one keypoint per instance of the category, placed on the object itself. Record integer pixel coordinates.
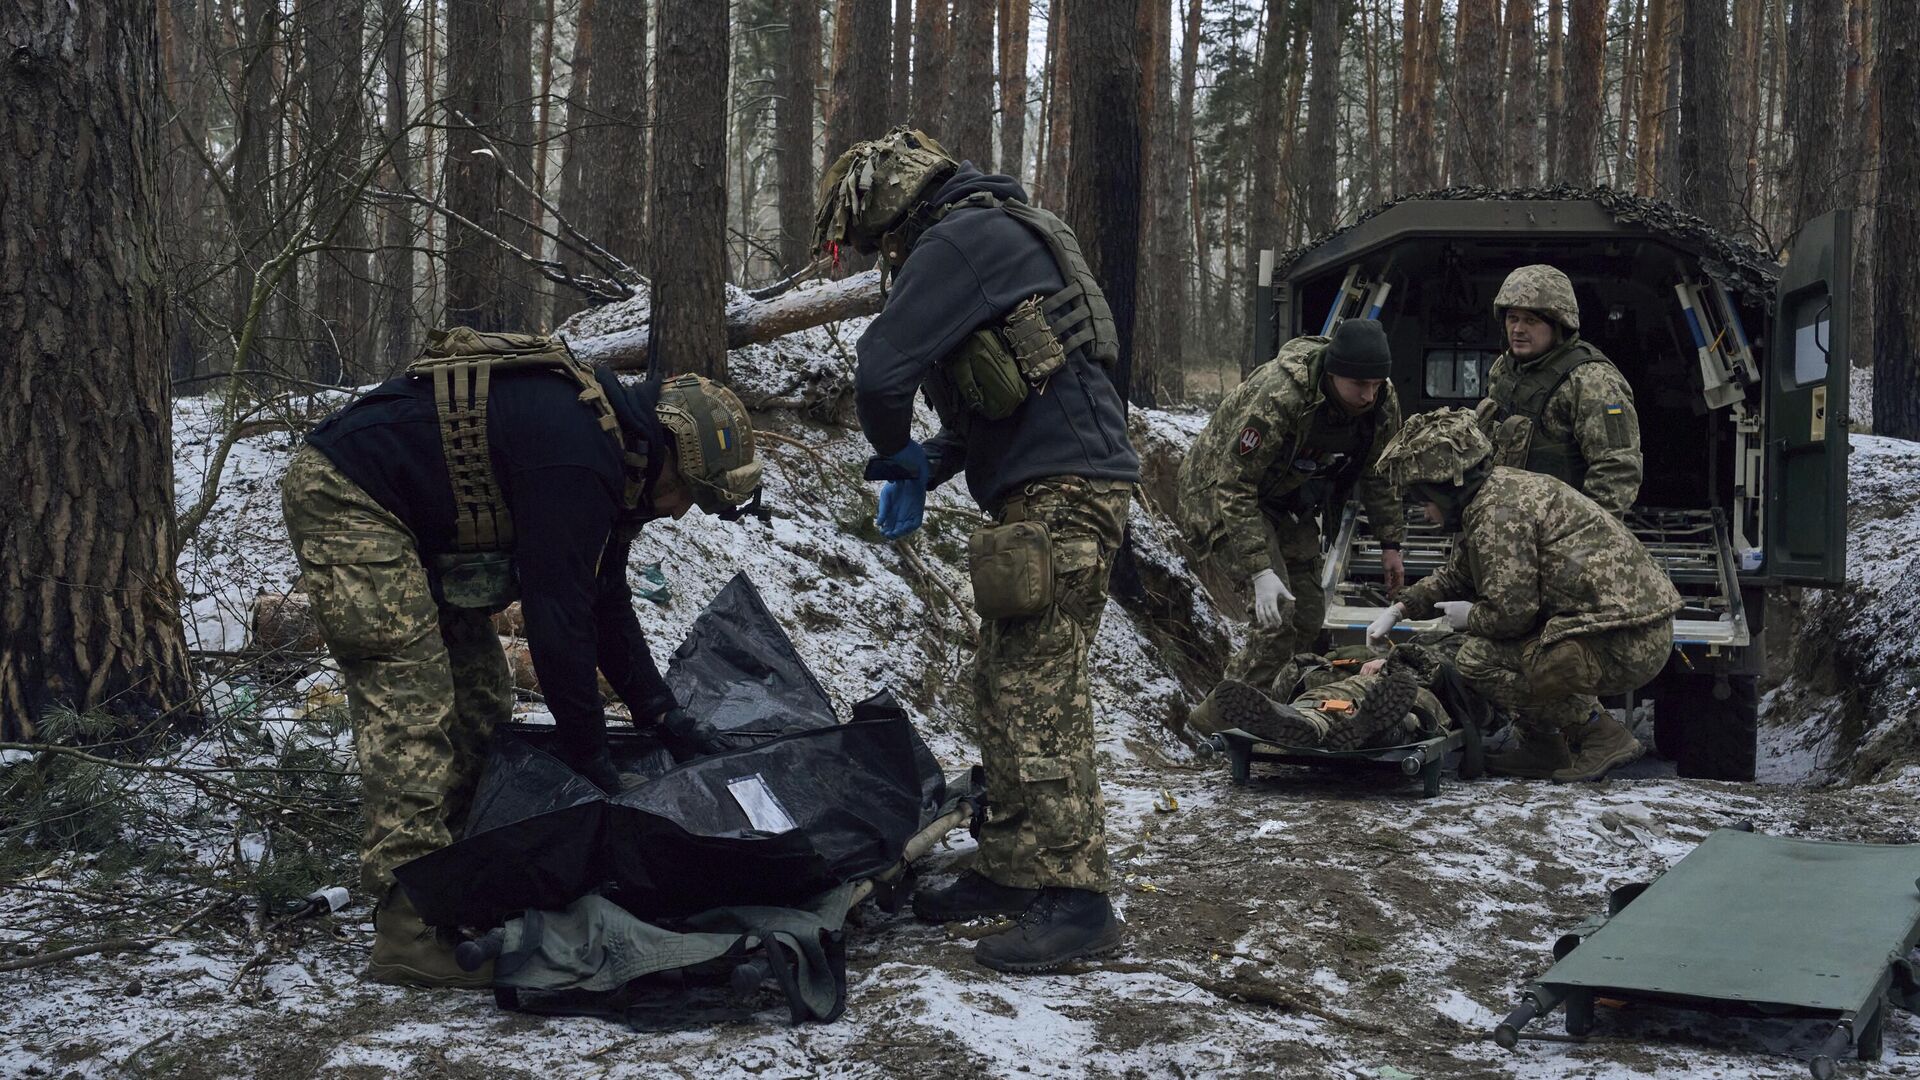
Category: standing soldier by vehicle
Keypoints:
(994, 311)
(1555, 404)
(1287, 447)
(1557, 599)
(497, 466)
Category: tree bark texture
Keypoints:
(900, 86)
(1556, 86)
(89, 604)
(1586, 62)
(1473, 130)
(690, 188)
(1167, 239)
(969, 134)
(1151, 368)
(1323, 99)
(1103, 204)
(930, 23)
(343, 297)
(857, 101)
(396, 262)
(750, 323)
(799, 90)
(1015, 18)
(1705, 153)
(1817, 168)
(1405, 165)
(1060, 132)
(613, 140)
(1427, 143)
(1265, 226)
(1523, 133)
(1896, 242)
(258, 38)
(1630, 56)
(1747, 121)
(573, 201)
(1653, 95)
(489, 81)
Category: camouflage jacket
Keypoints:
(1537, 557)
(1591, 414)
(1247, 461)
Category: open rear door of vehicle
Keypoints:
(1806, 387)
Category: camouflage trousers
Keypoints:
(1294, 550)
(1046, 824)
(1553, 686)
(426, 683)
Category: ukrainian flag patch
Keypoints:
(1616, 410)
(725, 435)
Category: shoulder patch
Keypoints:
(1615, 408)
(1249, 440)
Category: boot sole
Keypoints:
(1246, 708)
(1107, 945)
(1390, 701)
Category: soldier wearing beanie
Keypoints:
(1286, 448)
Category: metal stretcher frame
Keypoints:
(1751, 924)
(1423, 758)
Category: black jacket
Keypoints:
(562, 479)
(970, 269)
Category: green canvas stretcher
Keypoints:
(1749, 924)
(1422, 758)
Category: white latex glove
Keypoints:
(1270, 597)
(1379, 628)
(1456, 612)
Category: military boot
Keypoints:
(1540, 753)
(408, 952)
(1239, 706)
(973, 896)
(1384, 707)
(1061, 926)
(1605, 744)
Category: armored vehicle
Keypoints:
(1739, 372)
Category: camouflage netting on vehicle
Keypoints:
(1735, 263)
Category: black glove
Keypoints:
(687, 737)
(583, 748)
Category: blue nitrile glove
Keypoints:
(903, 502)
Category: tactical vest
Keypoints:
(994, 369)
(1323, 460)
(1519, 405)
(461, 364)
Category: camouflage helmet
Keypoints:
(872, 187)
(1540, 288)
(714, 441)
(1437, 447)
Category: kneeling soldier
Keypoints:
(1557, 599)
(498, 464)
(994, 312)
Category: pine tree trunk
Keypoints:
(615, 178)
(1200, 258)
(800, 78)
(690, 188)
(257, 37)
(1060, 133)
(1523, 137)
(1104, 176)
(971, 123)
(1705, 155)
(1370, 34)
(1896, 323)
(1474, 130)
(489, 81)
(1556, 88)
(89, 602)
(1432, 18)
(1653, 95)
(1150, 367)
(1323, 98)
(343, 299)
(857, 102)
(1631, 60)
(1747, 120)
(396, 262)
(1266, 228)
(1292, 181)
(1585, 63)
(1014, 23)
(1814, 93)
(1406, 163)
(1168, 290)
(930, 23)
(900, 88)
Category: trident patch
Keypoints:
(1249, 440)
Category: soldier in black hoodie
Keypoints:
(993, 313)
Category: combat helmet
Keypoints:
(714, 441)
(1435, 448)
(1540, 288)
(869, 191)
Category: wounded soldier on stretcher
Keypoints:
(1351, 699)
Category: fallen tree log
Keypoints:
(748, 321)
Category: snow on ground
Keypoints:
(1310, 925)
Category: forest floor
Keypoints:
(1307, 925)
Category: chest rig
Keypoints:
(1519, 402)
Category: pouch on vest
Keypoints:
(482, 580)
(1012, 569)
(984, 377)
